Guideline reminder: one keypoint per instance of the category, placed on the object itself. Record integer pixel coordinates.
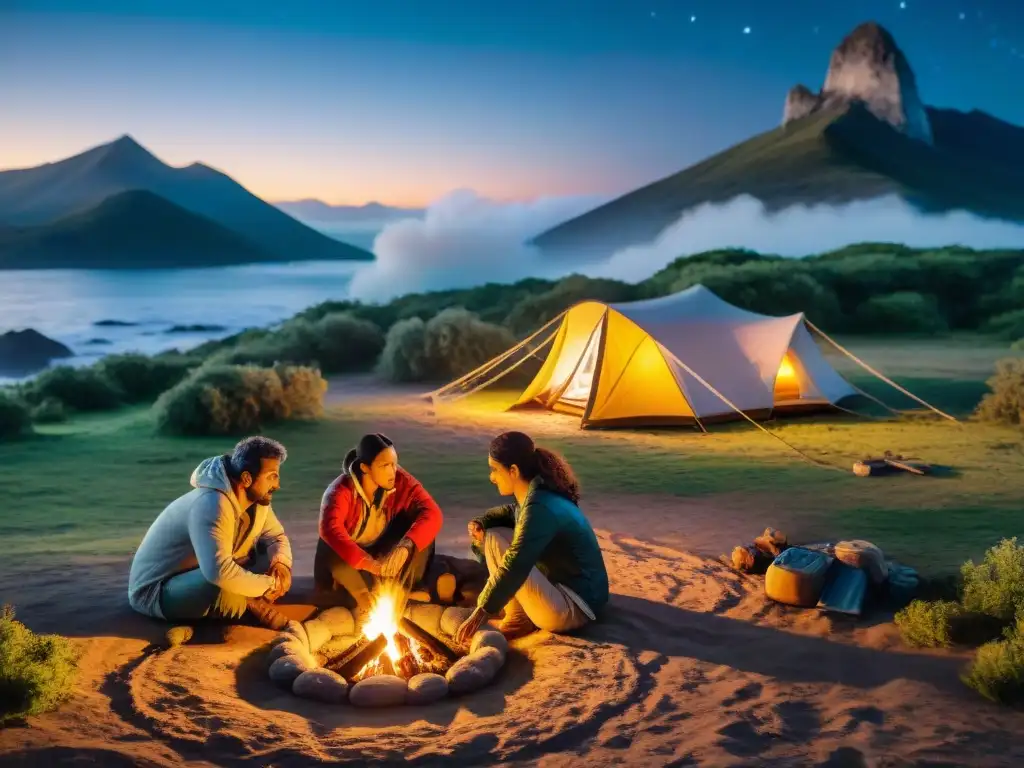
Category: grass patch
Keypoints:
(37, 672)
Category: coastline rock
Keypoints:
(868, 66)
(28, 351)
(195, 328)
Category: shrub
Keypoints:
(1005, 403)
(928, 624)
(995, 586)
(456, 341)
(445, 347)
(230, 399)
(15, 417)
(997, 671)
(80, 389)
(141, 378)
(404, 355)
(778, 287)
(50, 411)
(37, 672)
(1008, 325)
(336, 343)
(903, 311)
(533, 311)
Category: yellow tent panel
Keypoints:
(635, 382)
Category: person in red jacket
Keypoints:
(376, 522)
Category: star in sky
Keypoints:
(746, 30)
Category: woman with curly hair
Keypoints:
(544, 563)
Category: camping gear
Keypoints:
(758, 555)
(845, 588)
(889, 464)
(903, 582)
(865, 555)
(797, 577)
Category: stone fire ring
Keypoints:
(297, 654)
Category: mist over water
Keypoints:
(463, 240)
(467, 240)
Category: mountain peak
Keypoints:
(867, 66)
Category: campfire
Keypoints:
(391, 644)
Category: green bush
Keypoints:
(50, 411)
(450, 344)
(15, 417)
(1004, 404)
(533, 311)
(37, 672)
(995, 586)
(404, 355)
(928, 624)
(1008, 325)
(336, 343)
(231, 399)
(79, 389)
(997, 671)
(456, 341)
(142, 379)
(901, 312)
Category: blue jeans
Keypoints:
(189, 596)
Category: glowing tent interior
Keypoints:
(680, 359)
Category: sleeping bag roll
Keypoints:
(797, 576)
(866, 556)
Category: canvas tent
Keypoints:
(680, 359)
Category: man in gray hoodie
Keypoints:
(219, 549)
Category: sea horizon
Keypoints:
(98, 312)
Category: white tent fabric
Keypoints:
(736, 351)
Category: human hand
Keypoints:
(284, 576)
(476, 532)
(370, 566)
(393, 563)
(275, 592)
(468, 628)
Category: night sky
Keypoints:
(403, 101)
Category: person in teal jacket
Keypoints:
(545, 566)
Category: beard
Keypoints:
(263, 500)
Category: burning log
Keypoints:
(359, 656)
(414, 632)
(386, 667)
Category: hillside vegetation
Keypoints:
(434, 337)
(833, 156)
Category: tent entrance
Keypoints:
(577, 391)
(787, 381)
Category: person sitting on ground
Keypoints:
(376, 522)
(546, 567)
(219, 549)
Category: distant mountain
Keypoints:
(47, 193)
(321, 212)
(128, 230)
(846, 143)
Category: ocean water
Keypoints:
(67, 304)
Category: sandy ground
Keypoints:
(690, 666)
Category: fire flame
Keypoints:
(388, 604)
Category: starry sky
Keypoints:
(402, 101)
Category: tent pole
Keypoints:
(871, 370)
(496, 360)
(561, 390)
(511, 368)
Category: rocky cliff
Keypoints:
(867, 66)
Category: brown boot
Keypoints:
(516, 623)
(266, 614)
